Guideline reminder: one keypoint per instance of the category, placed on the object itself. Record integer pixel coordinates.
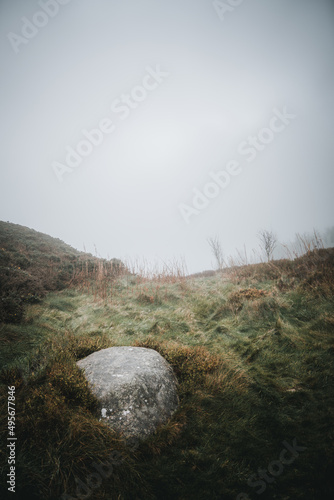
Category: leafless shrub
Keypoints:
(217, 252)
(268, 242)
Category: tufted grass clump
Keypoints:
(82, 346)
(191, 364)
(64, 376)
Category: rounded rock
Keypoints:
(135, 386)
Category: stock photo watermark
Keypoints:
(274, 469)
(11, 440)
(249, 148)
(223, 8)
(122, 107)
(102, 471)
(31, 27)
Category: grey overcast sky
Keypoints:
(214, 118)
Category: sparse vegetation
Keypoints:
(252, 348)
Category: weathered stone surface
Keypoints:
(136, 388)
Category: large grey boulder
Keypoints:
(136, 388)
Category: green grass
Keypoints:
(254, 361)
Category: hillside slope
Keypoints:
(33, 263)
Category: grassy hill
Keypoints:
(252, 348)
(33, 263)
